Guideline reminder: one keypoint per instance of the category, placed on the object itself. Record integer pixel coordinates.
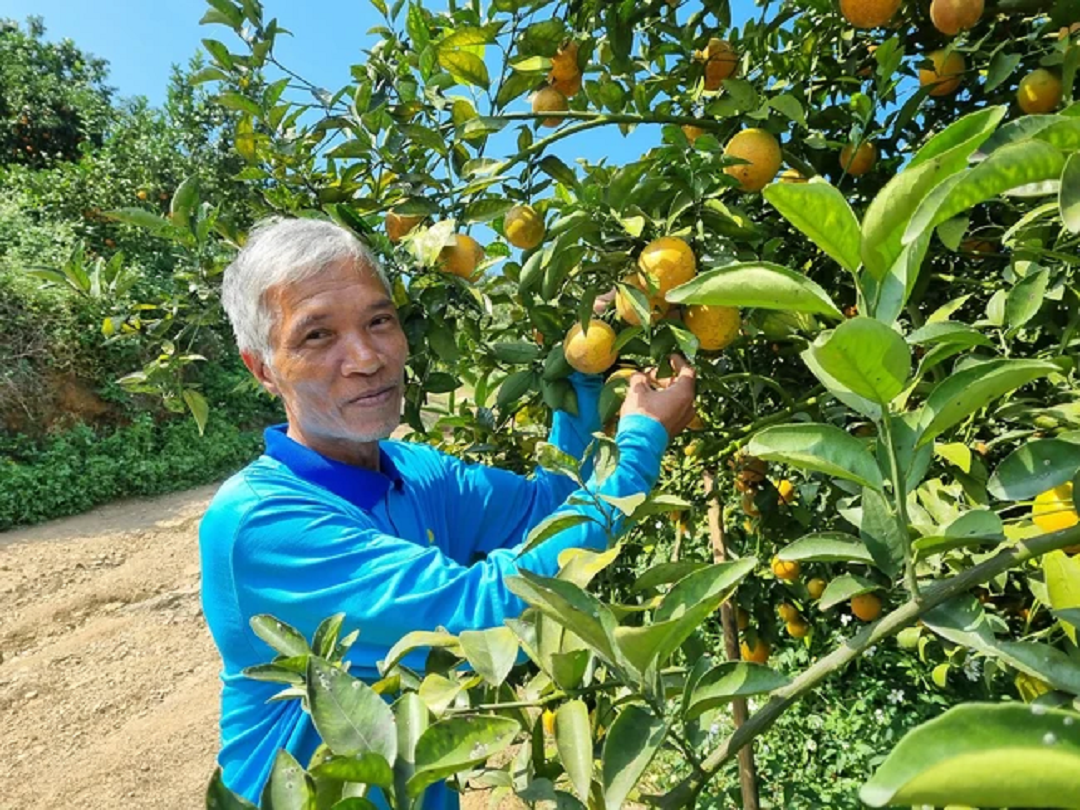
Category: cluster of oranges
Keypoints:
(563, 83)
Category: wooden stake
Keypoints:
(747, 771)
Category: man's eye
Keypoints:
(382, 320)
(316, 334)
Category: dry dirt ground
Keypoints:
(108, 676)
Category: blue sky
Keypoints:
(142, 39)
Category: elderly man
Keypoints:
(333, 517)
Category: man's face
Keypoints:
(338, 357)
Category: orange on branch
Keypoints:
(1039, 92)
(590, 352)
(397, 225)
(461, 257)
(546, 100)
(720, 62)
(564, 64)
(945, 75)
(568, 87)
(866, 606)
(762, 153)
(715, 327)
(792, 176)
(758, 654)
(742, 618)
(786, 491)
(524, 228)
(1054, 510)
(798, 629)
(816, 587)
(787, 611)
(668, 261)
(858, 161)
(868, 13)
(787, 570)
(692, 133)
(950, 17)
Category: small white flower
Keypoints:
(811, 745)
(870, 651)
(845, 620)
(896, 696)
(972, 669)
(714, 729)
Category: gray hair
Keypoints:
(283, 251)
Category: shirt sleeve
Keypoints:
(301, 560)
(512, 504)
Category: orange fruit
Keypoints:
(568, 87)
(657, 305)
(798, 629)
(788, 612)
(868, 13)
(1067, 30)
(742, 618)
(548, 99)
(668, 262)
(141, 194)
(945, 75)
(816, 587)
(590, 352)
(692, 133)
(524, 228)
(786, 490)
(564, 64)
(757, 654)
(696, 423)
(859, 162)
(461, 257)
(866, 606)
(397, 225)
(1039, 92)
(792, 176)
(748, 504)
(787, 570)
(762, 153)
(715, 327)
(1053, 510)
(547, 719)
(720, 62)
(950, 17)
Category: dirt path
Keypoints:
(108, 677)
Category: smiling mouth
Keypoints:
(380, 397)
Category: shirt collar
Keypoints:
(358, 485)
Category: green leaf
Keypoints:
(466, 67)
(1025, 299)
(514, 387)
(570, 607)
(683, 609)
(756, 284)
(412, 718)
(283, 638)
(827, 547)
(788, 105)
(568, 668)
(820, 211)
(1001, 67)
(349, 715)
(573, 739)
(198, 406)
(732, 679)
(184, 201)
(970, 389)
(631, 743)
(325, 640)
(942, 156)
(515, 353)
(367, 769)
(491, 653)
(551, 526)
(977, 527)
(823, 448)
(1033, 468)
(1069, 195)
(866, 407)
(220, 797)
(419, 638)
(457, 744)
(881, 533)
(939, 332)
(558, 171)
(1062, 574)
(867, 357)
(665, 573)
(1014, 165)
(986, 755)
(580, 565)
(842, 588)
(486, 210)
(140, 218)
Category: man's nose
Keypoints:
(361, 356)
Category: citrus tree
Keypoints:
(885, 338)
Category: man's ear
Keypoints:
(259, 368)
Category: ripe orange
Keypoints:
(568, 87)
(786, 489)
(397, 225)
(761, 150)
(859, 162)
(866, 606)
(524, 228)
(461, 257)
(547, 719)
(715, 327)
(788, 612)
(141, 194)
(798, 629)
(950, 17)
(868, 13)
(564, 64)
(696, 423)
(787, 570)
(792, 176)
(590, 352)
(1053, 510)
(757, 654)
(816, 587)
(1039, 92)
(657, 305)
(946, 73)
(548, 99)
(692, 133)
(751, 469)
(720, 62)
(669, 262)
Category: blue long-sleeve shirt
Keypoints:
(302, 537)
